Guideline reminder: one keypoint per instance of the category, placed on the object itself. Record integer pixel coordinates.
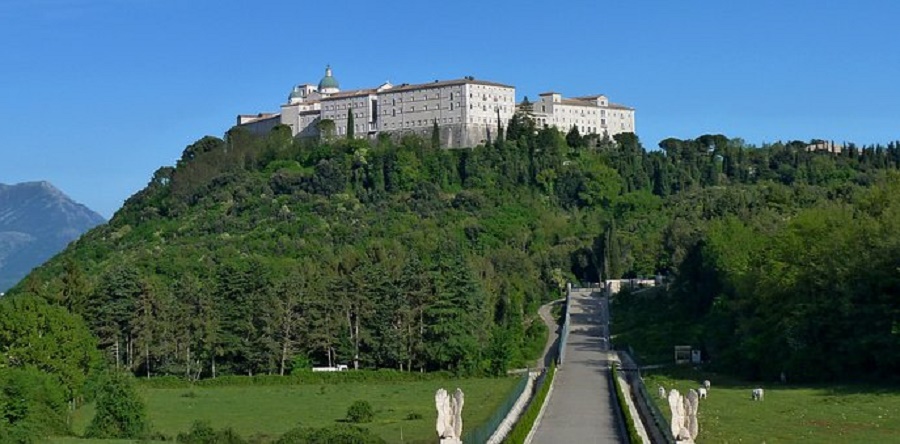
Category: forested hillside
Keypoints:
(266, 254)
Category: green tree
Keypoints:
(34, 333)
(574, 138)
(32, 405)
(120, 411)
(435, 135)
(351, 127)
(326, 129)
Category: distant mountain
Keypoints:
(37, 221)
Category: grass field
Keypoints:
(788, 414)
(268, 411)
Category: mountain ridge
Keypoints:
(37, 221)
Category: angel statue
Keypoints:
(449, 419)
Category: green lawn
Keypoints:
(269, 411)
(788, 414)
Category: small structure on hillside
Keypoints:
(682, 354)
(449, 418)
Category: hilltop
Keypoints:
(37, 221)
(268, 254)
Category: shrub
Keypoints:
(203, 433)
(359, 412)
(338, 434)
(623, 407)
(32, 405)
(120, 412)
(523, 426)
(301, 363)
(412, 416)
(296, 378)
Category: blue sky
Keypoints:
(95, 95)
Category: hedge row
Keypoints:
(352, 376)
(526, 421)
(623, 406)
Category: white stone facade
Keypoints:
(467, 111)
(591, 114)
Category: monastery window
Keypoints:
(393, 113)
(603, 122)
(451, 105)
(484, 107)
(412, 109)
(425, 108)
(451, 96)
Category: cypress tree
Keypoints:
(435, 135)
(351, 130)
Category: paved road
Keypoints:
(580, 408)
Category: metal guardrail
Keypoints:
(483, 432)
(654, 421)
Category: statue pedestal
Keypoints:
(450, 441)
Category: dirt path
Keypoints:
(552, 337)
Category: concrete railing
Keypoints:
(564, 330)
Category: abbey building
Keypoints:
(467, 111)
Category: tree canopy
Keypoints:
(254, 253)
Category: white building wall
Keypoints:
(621, 120)
(301, 118)
(361, 105)
(410, 109)
(482, 104)
(260, 124)
(591, 115)
(466, 111)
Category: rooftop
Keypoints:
(350, 93)
(442, 83)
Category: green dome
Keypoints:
(297, 93)
(328, 81)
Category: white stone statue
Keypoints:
(691, 405)
(676, 405)
(449, 419)
(684, 415)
